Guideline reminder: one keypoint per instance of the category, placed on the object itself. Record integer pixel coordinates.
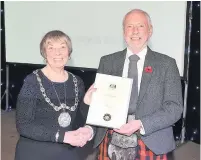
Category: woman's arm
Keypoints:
(26, 122)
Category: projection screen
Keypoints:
(94, 27)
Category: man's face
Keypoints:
(137, 31)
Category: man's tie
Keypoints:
(133, 73)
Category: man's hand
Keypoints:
(129, 128)
(88, 95)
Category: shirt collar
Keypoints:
(141, 54)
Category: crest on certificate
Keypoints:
(112, 86)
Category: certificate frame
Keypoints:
(110, 102)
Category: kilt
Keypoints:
(143, 152)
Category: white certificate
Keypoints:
(110, 102)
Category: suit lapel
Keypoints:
(119, 64)
(146, 75)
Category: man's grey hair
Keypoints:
(141, 11)
(55, 35)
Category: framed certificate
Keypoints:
(110, 102)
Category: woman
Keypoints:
(47, 106)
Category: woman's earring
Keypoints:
(69, 58)
(45, 60)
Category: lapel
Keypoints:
(146, 77)
(119, 64)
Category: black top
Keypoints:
(37, 121)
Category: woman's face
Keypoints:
(57, 53)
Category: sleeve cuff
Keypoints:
(92, 131)
(142, 131)
(60, 137)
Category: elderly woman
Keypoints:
(47, 106)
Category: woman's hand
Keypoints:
(78, 137)
(88, 95)
(86, 132)
(74, 138)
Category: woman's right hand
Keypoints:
(74, 138)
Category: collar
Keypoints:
(141, 54)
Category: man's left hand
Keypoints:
(129, 128)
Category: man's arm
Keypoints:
(172, 106)
(101, 66)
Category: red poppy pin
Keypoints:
(148, 69)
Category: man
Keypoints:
(157, 86)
